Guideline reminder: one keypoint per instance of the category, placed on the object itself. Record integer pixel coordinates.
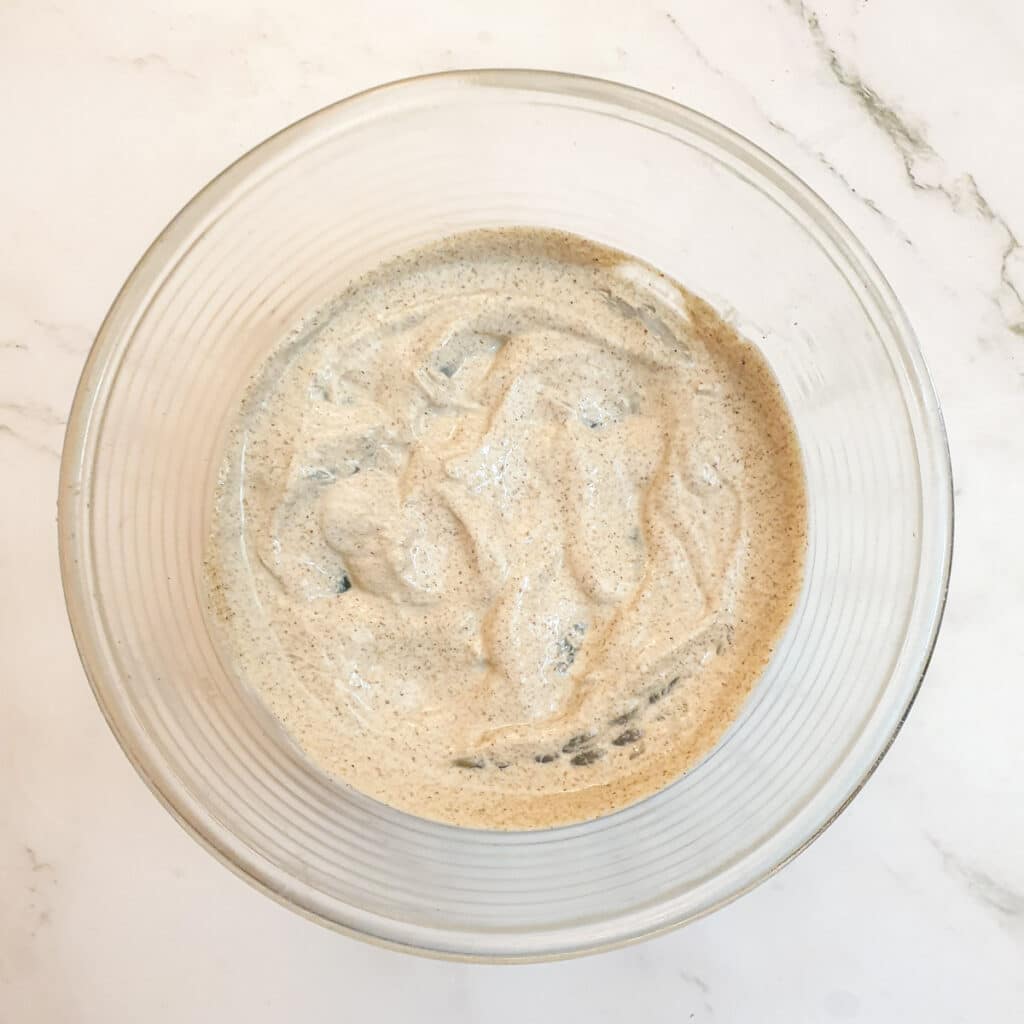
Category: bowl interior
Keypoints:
(288, 226)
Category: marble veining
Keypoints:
(781, 128)
(982, 886)
(68, 337)
(29, 423)
(919, 157)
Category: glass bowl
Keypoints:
(285, 228)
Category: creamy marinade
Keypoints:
(506, 533)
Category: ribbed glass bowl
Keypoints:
(284, 229)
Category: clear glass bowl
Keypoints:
(290, 224)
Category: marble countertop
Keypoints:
(905, 116)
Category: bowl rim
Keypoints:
(72, 501)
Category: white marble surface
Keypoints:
(905, 115)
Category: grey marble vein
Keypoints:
(28, 442)
(980, 885)
(42, 880)
(70, 337)
(692, 44)
(781, 129)
(35, 864)
(703, 988)
(703, 59)
(34, 411)
(912, 145)
(695, 980)
(861, 196)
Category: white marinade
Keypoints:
(506, 533)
